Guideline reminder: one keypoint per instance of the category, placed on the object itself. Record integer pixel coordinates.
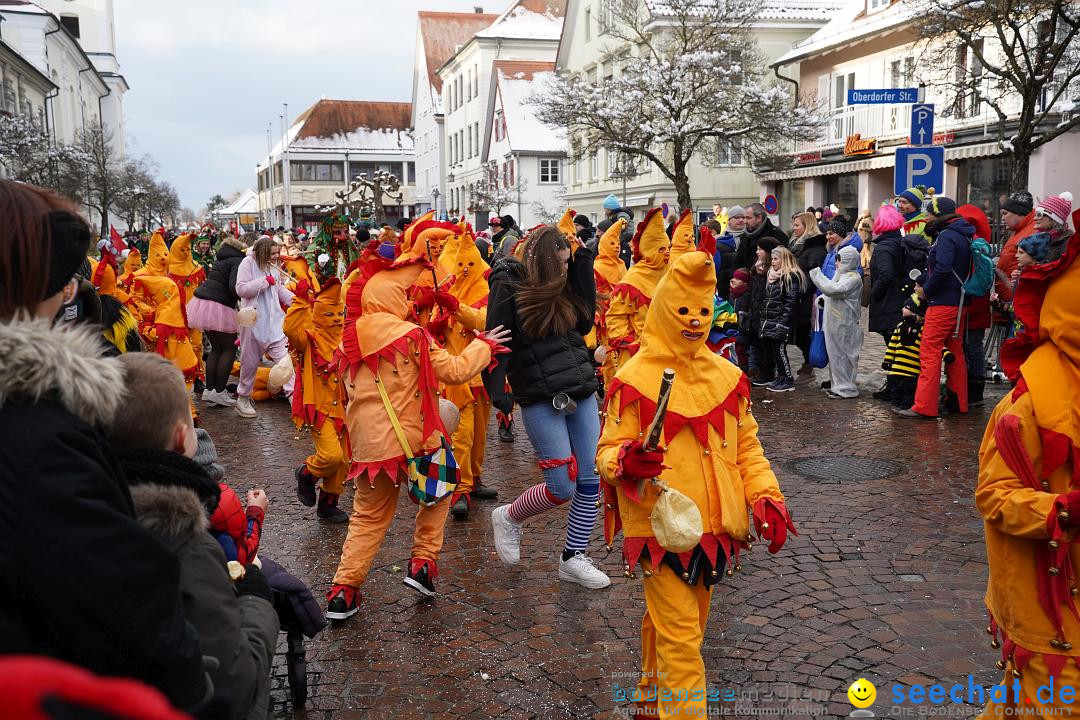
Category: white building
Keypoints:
(329, 145)
(92, 23)
(23, 88)
(588, 50)
(873, 44)
(528, 30)
(524, 157)
(45, 41)
(438, 36)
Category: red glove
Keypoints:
(447, 301)
(425, 299)
(270, 280)
(637, 463)
(439, 325)
(772, 522)
(1070, 503)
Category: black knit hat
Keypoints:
(839, 227)
(69, 240)
(1019, 203)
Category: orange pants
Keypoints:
(373, 511)
(328, 460)
(937, 335)
(1034, 676)
(672, 631)
(470, 442)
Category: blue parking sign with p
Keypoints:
(919, 166)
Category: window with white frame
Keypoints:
(550, 171)
(594, 166)
(476, 81)
(497, 129)
(902, 72)
(872, 5)
(729, 153)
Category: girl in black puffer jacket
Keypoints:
(548, 303)
(782, 293)
(213, 310)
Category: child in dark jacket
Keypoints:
(785, 283)
(740, 300)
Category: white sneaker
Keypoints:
(208, 397)
(224, 399)
(507, 535)
(580, 569)
(245, 407)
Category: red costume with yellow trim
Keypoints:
(382, 344)
(1029, 493)
(625, 318)
(313, 326)
(709, 452)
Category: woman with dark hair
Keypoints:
(213, 310)
(260, 286)
(82, 581)
(547, 303)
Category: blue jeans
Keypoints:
(975, 355)
(556, 435)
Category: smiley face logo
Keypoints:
(862, 693)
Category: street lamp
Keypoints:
(435, 200)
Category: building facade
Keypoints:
(587, 50)
(438, 36)
(23, 88)
(525, 160)
(84, 96)
(872, 44)
(328, 146)
(527, 30)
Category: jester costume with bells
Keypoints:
(188, 276)
(381, 346)
(1029, 494)
(709, 451)
(608, 270)
(625, 319)
(313, 326)
(157, 265)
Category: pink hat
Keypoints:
(1057, 207)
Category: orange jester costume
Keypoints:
(188, 275)
(381, 346)
(625, 318)
(609, 270)
(1029, 494)
(313, 325)
(710, 452)
(166, 331)
(157, 265)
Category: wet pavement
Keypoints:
(885, 580)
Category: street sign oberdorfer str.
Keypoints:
(884, 96)
(922, 124)
(919, 166)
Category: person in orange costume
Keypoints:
(313, 326)
(166, 331)
(608, 269)
(1027, 495)
(709, 451)
(382, 346)
(157, 265)
(426, 238)
(625, 318)
(467, 313)
(132, 264)
(188, 275)
(103, 278)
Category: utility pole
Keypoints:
(285, 169)
(270, 173)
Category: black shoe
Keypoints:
(305, 486)
(344, 602)
(481, 491)
(763, 381)
(506, 433)
(975, 392)
(199, 386)
(328, 509)
(884, 393)
(421, 577)
(827, 385)
(460, 508)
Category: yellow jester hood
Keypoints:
(157, 258)
(609, 266)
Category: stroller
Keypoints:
(300, 615)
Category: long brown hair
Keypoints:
(545, 304)
(261, 250)
(25, 244)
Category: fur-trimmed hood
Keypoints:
(172, 513)
(62, 362)
(234, 243)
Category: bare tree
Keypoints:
(493, 193)
(550, 214)
(1019, 57)
(695, 87)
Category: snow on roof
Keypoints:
(352, 125)
(529, 19)
(774, 9)
(443, 33)
(246, 204)
(848, 25)
(517, 80)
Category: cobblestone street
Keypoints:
(885, 580)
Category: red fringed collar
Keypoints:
(673, 421)
(633, 294)
(634, 547)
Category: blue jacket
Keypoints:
(829, 266)
(949, 262)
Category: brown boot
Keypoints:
(329, 510)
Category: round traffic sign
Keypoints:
(771, 204)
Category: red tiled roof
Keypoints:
(555, 8)
(327, 118)
(526, 68)
(443, 32)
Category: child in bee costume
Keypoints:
(709, 451)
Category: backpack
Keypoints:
(916, 249)
(981, 276)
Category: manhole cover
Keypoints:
(835, 469)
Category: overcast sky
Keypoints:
(207, 76)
